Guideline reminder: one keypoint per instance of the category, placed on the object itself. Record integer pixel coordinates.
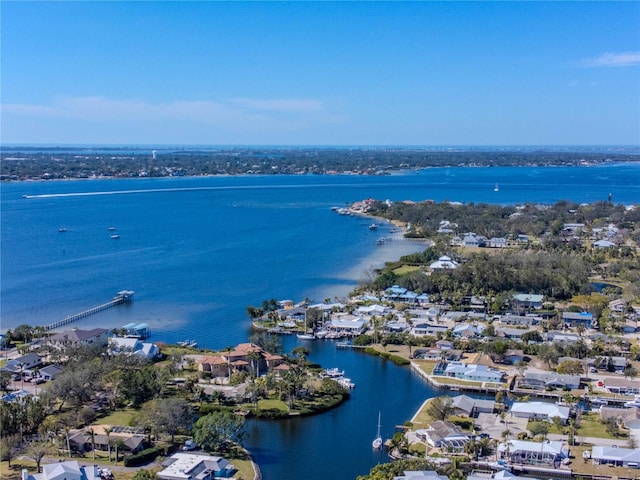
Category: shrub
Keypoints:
(145, 456)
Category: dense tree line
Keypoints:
(25, 163)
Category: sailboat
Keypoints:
(495, 189)
(377, 442)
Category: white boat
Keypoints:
(62, 229)
(321, 333)
(373, 226)
(334, 372)
(377, 442)
(305, 336)
(495, 189)
(115, 236)
(346, 382)
(112, 228)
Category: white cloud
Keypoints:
(609, 59)
(281, 104)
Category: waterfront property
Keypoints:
(540, 411)
(189, 466)
(548, 453)
(442, 434)
(244, 357)
(543, 380)
(133, 346)
(478, 373)
(76, 337)
(619, 457)
(471, 407)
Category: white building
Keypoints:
(540, 410)
(444, 263)
(190, 466)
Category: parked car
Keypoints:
(189, 445)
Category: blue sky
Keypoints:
(321, 73)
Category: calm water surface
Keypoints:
(197, 251)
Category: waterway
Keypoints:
(198, 251)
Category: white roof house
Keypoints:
(479, 373)
(540, 410)
(188, 466)
(421, 475)
(536, 453)
(627, 457)
(133, 346)
(444, 263)
(69, 470)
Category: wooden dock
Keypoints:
(124, 296)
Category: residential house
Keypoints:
(611, 364)
(528, 301)
(421, 475)
(133, 440)
(543, 380)
(436, 354)
(520, 320)
(442, 434)
(372, 310)
(189, 466)
(468, 330)
(137, 330)
(573, 319)
(622, 386)
(562, 337)
(347, 325)
(67, 470)
(424, 329)
(445, 344)
(473, 240)
(245, 356)
(478, 373)
(603, 244)
(76, 337)
(50, 372)
(550, 453)
(616, 456)
(540, 410)
(133, 346)
(498, 242)
(24, 364)
(514, 333)
(471, 407)
(444, 263)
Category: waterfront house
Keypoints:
(442, 434)
(76, 337)
(133, 346)
(472, 372)
(67, 470)
(138, 330)
(544, 380)
(245, 356)
(372, 310)
(189, 466)
(471, 407)
(347, 325)
(548, 453)
(540, 411)
(616, 456)
(420, 475)
(622, 386)
(573, 319)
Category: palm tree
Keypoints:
(107, 432)
(119, 443)
(91, 435)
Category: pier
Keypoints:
(124, 296)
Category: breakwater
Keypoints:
(124, 296)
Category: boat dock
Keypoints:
(124, 296)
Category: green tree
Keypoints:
(570, 367)
(439, 408)
(539, 428)
(143, 474)
(217, 431)
(36, 451)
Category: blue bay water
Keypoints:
(198, 251)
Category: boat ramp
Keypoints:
(123, 296)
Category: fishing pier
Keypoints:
(124, 296)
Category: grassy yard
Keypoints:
(590, 426)
(426, 366)
(405, 269)
(120, 417)
(273, 404)
(580, 466)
